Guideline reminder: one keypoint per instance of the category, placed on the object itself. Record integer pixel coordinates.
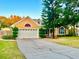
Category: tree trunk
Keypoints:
(49, 33)
(53, 33)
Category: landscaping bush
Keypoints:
(15, 29)
(72, 32)
(42, 33)
(15, 35)
(7, 37)
(15, 32)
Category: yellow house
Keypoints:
(28, 28)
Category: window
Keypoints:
(27, 25)
(62, 30)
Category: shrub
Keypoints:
(7, 37)
(15, 29)
(42, 33)
(15, 32)
(72, 32)
(14, 36)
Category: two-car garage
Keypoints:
(28, 33)
(28, 28)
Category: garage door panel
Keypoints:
(27, 34)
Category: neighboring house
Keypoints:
(28, 28)
(39, 21)
(5, 32)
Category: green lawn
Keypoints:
(9, 50)
(69, 41)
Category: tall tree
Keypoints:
(50, 14)
(58, 13)
(71, 13)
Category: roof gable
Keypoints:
(22, 23)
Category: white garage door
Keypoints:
(28, 33)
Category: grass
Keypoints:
(9, 50)
(69, 41)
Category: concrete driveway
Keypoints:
(40, 49)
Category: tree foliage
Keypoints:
(50, 14)
(58, 13)
(6, 22)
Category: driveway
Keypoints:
(40, 49)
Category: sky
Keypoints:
(30, 8)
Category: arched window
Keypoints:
(62, 30)
(27, 25)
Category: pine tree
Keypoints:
(50, 13)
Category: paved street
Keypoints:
(40, 49)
